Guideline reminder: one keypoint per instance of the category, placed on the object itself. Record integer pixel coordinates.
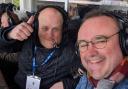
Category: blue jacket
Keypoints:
(85, 84)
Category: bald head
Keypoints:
(50, 27)
(52, 14)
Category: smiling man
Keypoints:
(101, 52)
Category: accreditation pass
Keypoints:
(33, 82)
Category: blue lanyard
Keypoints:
(45, 61)
(48, 57)
(34, 61)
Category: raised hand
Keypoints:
(22, 31)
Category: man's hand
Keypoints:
(22, 31)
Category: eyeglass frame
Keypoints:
(93, 43)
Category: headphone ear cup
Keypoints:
(126, 41)
(123, 38)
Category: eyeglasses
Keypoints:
(99, 42)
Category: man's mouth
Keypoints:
(95, 59)
(96, 63)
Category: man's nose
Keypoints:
(91, 51)
(90, 46)
(50, 34)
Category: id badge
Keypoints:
(33, 82)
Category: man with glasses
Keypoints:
(100, 52)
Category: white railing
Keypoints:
(102, 2)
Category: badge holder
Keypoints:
(33, 82)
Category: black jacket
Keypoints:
(64, 61)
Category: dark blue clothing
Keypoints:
(63, 62)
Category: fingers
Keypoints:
(26, 26)
(24, 31)
(31, 20)
(21, 32)
(19, 37)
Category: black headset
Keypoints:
(123, 33)
(65, 21)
